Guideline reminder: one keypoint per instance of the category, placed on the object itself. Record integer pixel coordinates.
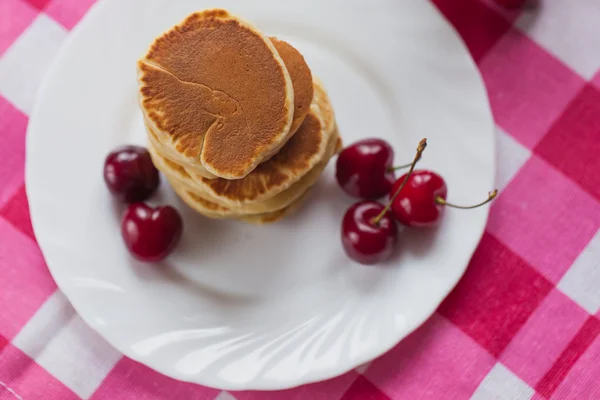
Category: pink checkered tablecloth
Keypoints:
(522, 324)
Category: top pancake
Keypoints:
(302, 82)
(218, 92)
(301, 153)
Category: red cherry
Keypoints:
(130, 174)
(422, 201)
(151, 234)
(364, 240)
(416, 205)
(364, 169)
(369, 232)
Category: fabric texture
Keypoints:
(523, 323)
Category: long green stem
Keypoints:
(392, 169)
(491, 196)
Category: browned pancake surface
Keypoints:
(215, 86)
(302, 80)
(298, 155)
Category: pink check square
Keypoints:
(544, 217)
(66, 12)
(23, 378)
(21, 16)
(573, 144)
(582, 380)
(13, 124)
(364, 389)
(574, 354)
(131, 380)
(16, 211)
(25, 283)
(325, 390)
(39, 4)
(528, 87)
(497, 295)
(545, 335)
(436, 362)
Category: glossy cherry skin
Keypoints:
(365, 242)
(416, 204)
(364, 169)
(130, 174)
(151, 234)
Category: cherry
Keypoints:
(362, 240)
(416, 205)
(151, 234)
(364, 169)
(130, 174)
(421, 204)
(369, 231)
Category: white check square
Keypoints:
(48, 320)
(79, 357)
(25, 62)
(225, 396)
(510, 157)
(501, 384)
(568, 29)
(582, 280)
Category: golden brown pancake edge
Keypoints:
(302, 80)
(177, 176)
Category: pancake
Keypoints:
(214, 211)
(302, 80)
(201, 205)
(301, 153)
(177, 176)
(302, 83)
(215, 90)
(269, 218)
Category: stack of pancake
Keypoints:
(235, 119)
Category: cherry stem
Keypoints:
(491, 196)
(420, 149)
(392, 169)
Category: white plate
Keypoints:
(245, 307)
